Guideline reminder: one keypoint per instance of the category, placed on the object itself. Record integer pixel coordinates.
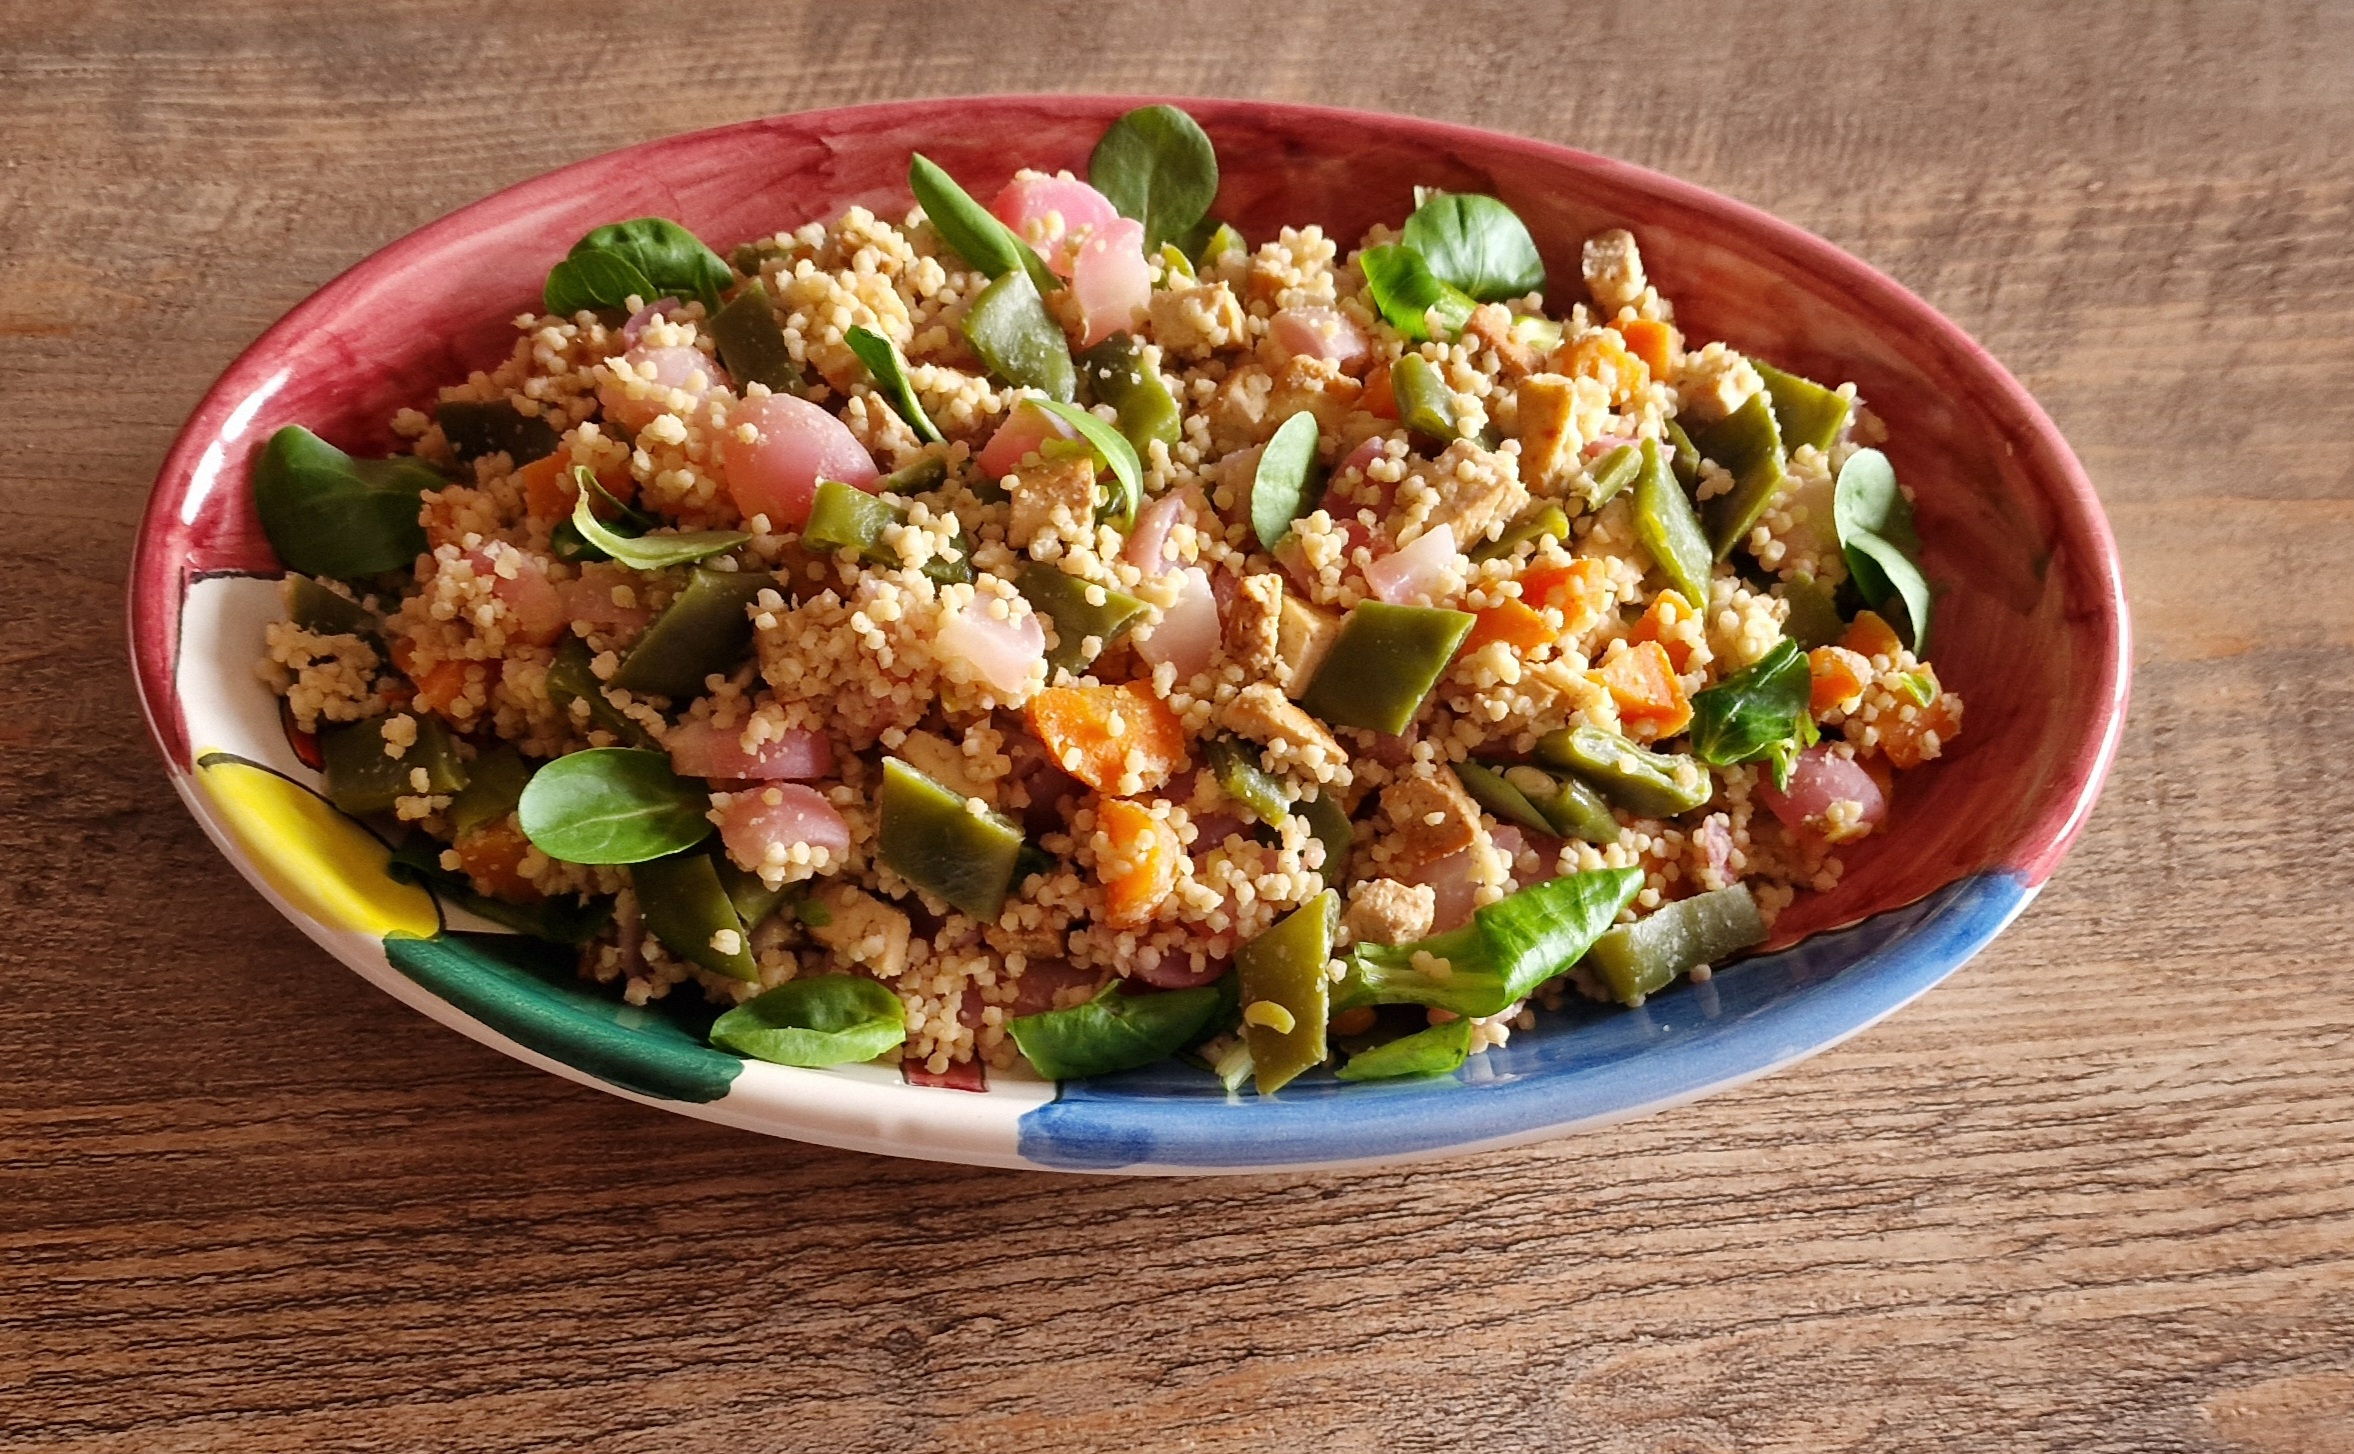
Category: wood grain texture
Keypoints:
(2093, 1195)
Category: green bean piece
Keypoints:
(476, 427)
(754, 901)
(1814, 618)
(1425, 405)
(1501, 796)
(1176, 263)
(931, 837)
(1570, 808)
(688, 909)
(1541, 521)
(494, 783)
(1115, 373)
(1009, 327)
(1670, 530)
(1748, 443)
(1804, 411)
(1062, 598)
(1612, 473)
(1439, 1050)
(1384, 662)
(322, 612)
(1240, 777)
(362, 779)
(1286, 1000)
(749, 258)
(1640, 959)
(1222, 240)
(706, 629)
(571, 679)
(845, 517)
(752, 343)
(1683, 455)
(1649, 784)
(926, 471)
(1538, 335)
(1330, 824)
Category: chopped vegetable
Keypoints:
(1875, 525)
(1749, 444)
(966, 226)
(1284, 968)
(1425, 404)
(1329, 821)
(688, 909)
(1114, 1031)
(1409, 294)
(1115, 374)
(752, 343)
(1495, 792)
(1384, 664)
(1640, 959)
(571, 679)
(826, 1019)
(1837, 678)
(657, 551)
(612, 805)
(363, 778)
(1668, 528)
(1477, 244)
(1612, 473)
(327, 514)
(1570, 808)
(843, 518)
(1643, 682)
(1102, 735)
(494, 784)
(478, 427)
(1759, 712)
(705, 631)
(1541, 521)
(1068, 601)
(1157, 166)
(1439, 1050)
(323, 612)
(953, 847)
(1139, 867)
(1010, 329)
(1651, 341)
(1285, 480)
(1236, 765)
(795, 444)
(1804, 411)
(1506, 953)
(1112, 449)
(883, 360)
(1512, 623)
(1648, 784)
(1813, 620)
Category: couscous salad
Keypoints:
(1066, 630)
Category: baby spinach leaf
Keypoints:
(327, 514)
(595, 282)
(1217, 241)
(665, 254)
(494, 783)
(1114, 1031)
(1113, 449)
(827, 1019)
(1875, 526)
(612, 805)
(1542, 930)
(1009, 327)
(1407, 292)
(476, 427)
(979, 238)
(1435, 1051)
(1752, 713)
(644, 552)
(1476, 243)
(1285, 475)
(883, 360)
(566, 920)
(571, 679)
(1157, 166)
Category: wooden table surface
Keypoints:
(2094, 1194)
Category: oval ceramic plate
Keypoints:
(2032, 630)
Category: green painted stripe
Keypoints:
(524, 990)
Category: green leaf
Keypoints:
(1384, 974)
(1545, 928)
(494, 784)
(595, 282)
(1876, 534)
(827, 1019)
(1009, 327)
(1113, 449)
(985, 243)
(1157, 166)
(1407, 292)
(1435, 1051)
(1114, 1031)
(644, 552)
(613, 805)
(1286, 473)
(1219, 241)
(1747, 715)
(565, 920)
(1477, 244)
(883, 360)
(666, 255)
(327, 514)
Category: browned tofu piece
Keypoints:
(1303, 636)
(1254, 625)
(1433, 815)
(1385, 911)
(861, 929)
(1292, 738)
(1055, 496)
(1547, 406)
(1491, 324)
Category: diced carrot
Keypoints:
(1869, 636)
(1653, 342)
(1905, 739)
(1662, 623)
(1100, 734)
(548, 490)
(1643, 682)
(1517, 625)
(1579, 590)
(1839, 677)
(1380, 398)
(1602, 356)
(441, 684)
(492, 856)
(1139, 864)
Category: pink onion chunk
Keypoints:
(752, 823)
(1818, 779)
(1454, 888)
(1111, 280)
(1324, 333)
(1054, 215)
(1147, 547)
(635, 406)
(1419, 570)
(591, 602)
(800, 443)
(698, 749)
(1003, 650)
(1187, 636)
(1023, 431)
(535, 608)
